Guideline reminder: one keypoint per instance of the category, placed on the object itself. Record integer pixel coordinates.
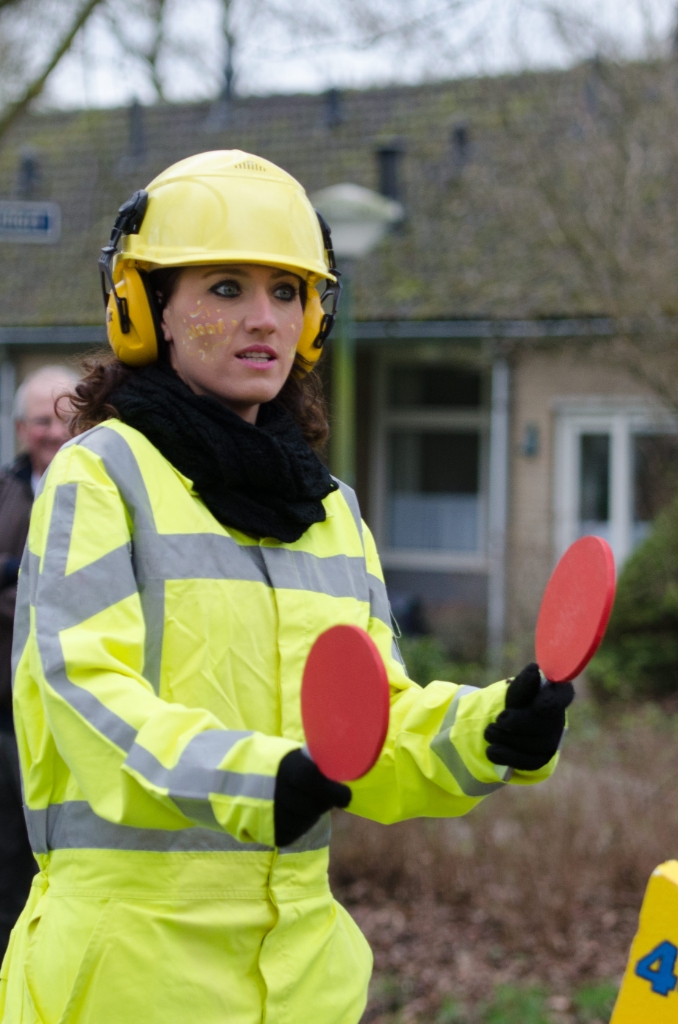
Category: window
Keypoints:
(615, 469)
(594, 484)
(655, 478)
(433, 500)
(432, 456)
(442, 387)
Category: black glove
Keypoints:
(10, 572)
(302, 794)
(527, 734)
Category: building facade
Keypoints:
(494, 424)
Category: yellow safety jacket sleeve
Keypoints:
(434, 762)
(137, 759)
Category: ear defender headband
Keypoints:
(132, 321)
(132, 316)
(317, 322)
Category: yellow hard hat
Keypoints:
(225, 206)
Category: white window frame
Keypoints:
(386, 419)
(620, 417)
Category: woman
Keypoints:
(185, 551)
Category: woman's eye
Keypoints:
(286, 292)
(227, 289)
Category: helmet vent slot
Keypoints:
(249, 165)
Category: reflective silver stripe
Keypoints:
(87, 591)
(74, 826)
(200, 812)
(451, 713)
(317, 837)
(379, 606)
(152, 595)
(213, 556)
(560, 741)
(123, 469)
(192, 779)
(22, 614)
(41, 485)
(63, 601)
(208, 556)
(395, 653)
(54, 611)
(51, 611)
(33, 574)
(351, 499)
(334, 575)
(36, 826)
(159, 556)
(451, 758)
(444, 748)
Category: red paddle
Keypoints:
(344, 703)
(575, 609)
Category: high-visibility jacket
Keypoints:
(158, 665)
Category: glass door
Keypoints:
(594, 485)
(614, 472)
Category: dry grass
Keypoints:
(536, 886)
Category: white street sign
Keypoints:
(28, 221)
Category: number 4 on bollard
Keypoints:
(649, 992)
(657, 968)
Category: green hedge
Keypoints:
(427, 659)
(639, 656)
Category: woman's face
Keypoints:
(232, 332)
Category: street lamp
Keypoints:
(358, 218)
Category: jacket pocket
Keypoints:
(61, 957)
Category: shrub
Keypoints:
(538, 888)
(515, 1005)
(451, 1012)
(427, 659)
(639, 656)
(595, 1002)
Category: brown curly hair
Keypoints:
(302, 393)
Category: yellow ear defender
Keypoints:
(132, 323)
(138, 345)
(314, 313)
(283, 233)
(317, 322)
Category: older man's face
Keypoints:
(42, 432)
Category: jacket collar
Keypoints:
(21, 469)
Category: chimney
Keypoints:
(28, 173)
(389, 158)
(334, 113)
(137, 133)
(460, 140)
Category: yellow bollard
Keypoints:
(649, 992)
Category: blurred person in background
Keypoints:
(40, 432)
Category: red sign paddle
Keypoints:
(345, 703)
(575, 609)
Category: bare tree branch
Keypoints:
(597, 153)
(149, 56)
(37, 84)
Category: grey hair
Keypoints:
(59, 374)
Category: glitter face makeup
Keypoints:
(233, 330)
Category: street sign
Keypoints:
(29, 221)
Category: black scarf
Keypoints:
(264, 480)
